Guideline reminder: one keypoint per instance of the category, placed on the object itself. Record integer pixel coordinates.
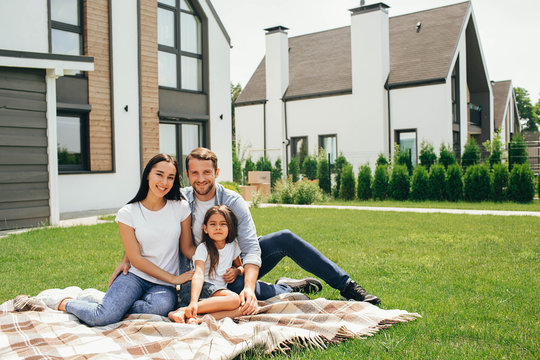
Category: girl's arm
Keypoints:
(186, 242)
(133, 253)
(196, 286)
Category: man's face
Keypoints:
(202, 176)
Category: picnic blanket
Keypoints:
(31, 330)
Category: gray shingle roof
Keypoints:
(500, 97)
(320, 63)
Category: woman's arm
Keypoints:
(133, 253)
(196, 286)
(186, 242)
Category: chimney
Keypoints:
(277, 82)
(370, 65)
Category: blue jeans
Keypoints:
(128, 294)
(283, 243)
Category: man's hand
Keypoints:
(122, 268)
(231, 274)
(248, 300)
(184, 277)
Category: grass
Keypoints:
(474, 279)
(484, 205)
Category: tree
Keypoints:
(427, 155)
(517, 151)
(339, 163)
(526, 109)
(294, 169)
(381, 160)
(276, 172)
(348, 183)
(363, 191)
(323, 174)
(309, 168)
(446, 156)
(235, 92)
(495, 148)
(471, 153)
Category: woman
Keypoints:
(151, 225)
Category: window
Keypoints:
(180, 59)
(179, 138)
(455, 93)
(66, 30)
(456, 144)
(72, 147)
(299, 148)
(406, 140)
(329, 144)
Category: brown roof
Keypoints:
(500, 99)
(320, 63)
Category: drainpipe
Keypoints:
(264, 130)
(286, 141)
(387, 87)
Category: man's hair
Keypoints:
(202, 154)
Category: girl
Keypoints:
(151, 225)
(217, 251)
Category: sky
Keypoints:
(509, 31)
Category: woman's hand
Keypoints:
(123, 267)
(191, 310)
(183, 278)
(231, 274)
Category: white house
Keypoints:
(90, 90)
(359, 89)
(506, 115)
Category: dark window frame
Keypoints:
(177, 49)
(85, 143)
(294, 141)
(455, 93)
(178, 135)
(321, 137)
(58, 25)
(397, 139)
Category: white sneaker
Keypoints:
(91, 295)
(53, 297)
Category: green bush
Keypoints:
(363, 190)
(380, 182)
(381, 160)
(348, 183)
(471, 154)
(338, 169)
(500, 181)
(495, 148)
(477, 183)
(402, 157)
(309, 168)
(248, 166)
(437, 182)
(276, 172)
(420, 182)
(263, 164)
(454, 183)
(237, 166)
(294, 169)
(231, 186)
(400, 183)
(521, 183)
(446, 156)
(306, 192)
(323, 174)
(427, 155)
(517, 151)
(283, 192)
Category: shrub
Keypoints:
(231, 186)
(500, 181)
(402, 157)
(237, 166)
(454, 183)
(381, 160)
(276, 172)
(427, 155)
(309, 168)
(348, 183)
(521, 183)
(446, 156)
(517, 151)
(420, 181)
(471, 153)
(437, 182)
(495, 148)
(307, 192)
(323, 174)
(400, 183)
(363, 191)
(380, 182)
(294, 169)
(338, 169)
(283, 192)
(477, 183)
(248, 166)
(263, 164)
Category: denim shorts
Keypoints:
(184, 295)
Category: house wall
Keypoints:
(250, 130)
(28, 20)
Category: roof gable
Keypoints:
(501, 92)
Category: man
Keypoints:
(260, 255)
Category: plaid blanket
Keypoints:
(28, 329)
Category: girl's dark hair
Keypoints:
(173, 194)
(232, 224)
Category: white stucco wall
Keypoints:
(23, 25)
(250, 131)
(80, 192)
(220, 95)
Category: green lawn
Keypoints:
(474, 279)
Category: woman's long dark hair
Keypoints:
(173, 194)
(232, 224)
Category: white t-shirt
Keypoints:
(226, 256)
(158, 234)
(199, 211)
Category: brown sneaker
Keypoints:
(354, 292)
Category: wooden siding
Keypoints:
(24, 191)
(96, 30)
(149, 79)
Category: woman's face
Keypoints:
(161, 178)
(216, 227)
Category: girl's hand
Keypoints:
(183, 278)
(191, 310)
(231, 274)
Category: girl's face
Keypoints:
(161, 178)
(216, 227)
